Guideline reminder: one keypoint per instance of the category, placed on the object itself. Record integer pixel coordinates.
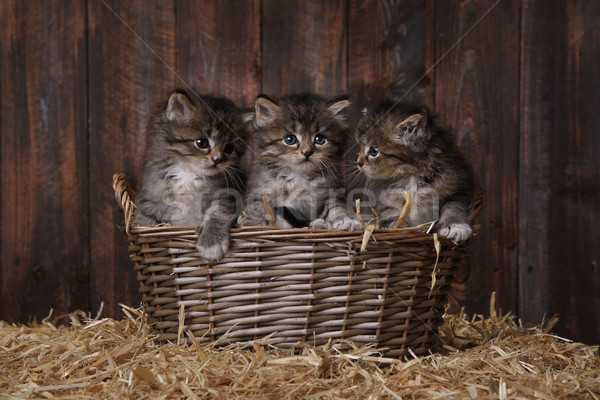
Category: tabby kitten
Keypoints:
(403, 148)
(298, 149)
(192, 174)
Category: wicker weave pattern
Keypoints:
(296, 285)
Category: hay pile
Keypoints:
(104, 358)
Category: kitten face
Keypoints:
(392, 141)
(305, 134)
(192, 176)
(299, 146)
(207, 135)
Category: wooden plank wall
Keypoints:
(477, 93)
(44, 159)
(516, 79)
(560, 165)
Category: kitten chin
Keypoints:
(404, 149)
(299, 150)
(192, 175)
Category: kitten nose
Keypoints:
(307, 153)
(216, 159)
(360, 164)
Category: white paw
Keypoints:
(347, 224)
(214, 252)
(319, 223)
(456, 232)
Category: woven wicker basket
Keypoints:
(293, 285)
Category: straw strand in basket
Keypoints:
(408, 202)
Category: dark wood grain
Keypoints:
(45, 259)
(132, 59)
(304, 47)
(542, 45)
(430, 53)
(387, 50)
(477, 94)
(574, 201)
(386, 58)
(218, 48)
(559, 190)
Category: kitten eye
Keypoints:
(202, 143)
(320, 139)
(228, 149)
(373, 152)
(290, 140)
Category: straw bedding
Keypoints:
(104, 358)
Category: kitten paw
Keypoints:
(347, 224)
(319, 223)
(456, 232)
(214, 252)
(212, 244)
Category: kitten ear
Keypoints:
(179, 108)
(336, 107)
(266, 110)
(248, 120)
(248, 117)
(413, 125)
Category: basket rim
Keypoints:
(125, 197)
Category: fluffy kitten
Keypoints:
(402, 148)
(192, 175)
(298, 149)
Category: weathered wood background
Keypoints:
(518, 81)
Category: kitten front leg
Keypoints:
(457, 232)
(255, 217)
(339, 219)
(254, 214)
(454, 222)
(213, 233)
(254, 209)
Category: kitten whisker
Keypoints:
(354, 174)
(323, 165)
(329, 167)
(321, 169)
(225, 175)
(232, 175)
